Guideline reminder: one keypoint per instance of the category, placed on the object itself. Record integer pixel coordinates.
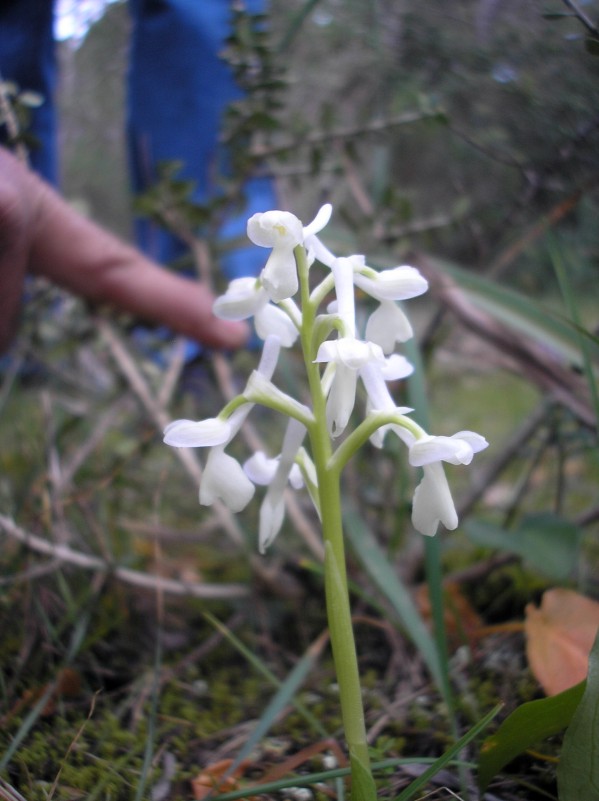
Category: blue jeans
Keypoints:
(178, 89)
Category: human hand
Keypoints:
(42, 235)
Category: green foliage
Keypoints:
(545, 542)
(578, 771)
(528, 725)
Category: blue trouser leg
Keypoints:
(179, 88)
(27, 58)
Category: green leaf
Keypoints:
(527, 725)
(523, 314)
(547, 543)
(363, 787)
(578, 770)
(445, 758)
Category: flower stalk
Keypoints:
(338, 364)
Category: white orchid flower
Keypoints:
(347, 353)
(224, 479)
(201, 434)
(283, 232)
(398, 283)
(244, 298)
(261, 469)
(388, 325)
(271, 320)
(433, 503)
(223, 476)
(272, 511)
(457, 449)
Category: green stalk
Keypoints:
(336, 588)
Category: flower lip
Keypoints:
(350, 352)
(200, 434)
(398, 283)
(457, 449)
(433, 503)
(244, 297)
(225, 480)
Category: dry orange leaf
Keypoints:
(560, 635)
(218, 778)
(462, 622)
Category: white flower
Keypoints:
(202, 434)
(261, 470)
(270, 320)
(350, 352)
(457, 449)
(398, 283)
(223, 476)
(348, 355)
(396, 367)
(244, 298)
(272, 511)
(225, 480)
(433, 503)
(341, 399)
(283, 232)
(388, 325)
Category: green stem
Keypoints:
(336, 589)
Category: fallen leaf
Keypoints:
(218, 778)
(462, 622)
(560, 635)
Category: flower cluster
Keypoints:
(336, 359)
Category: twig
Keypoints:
(84, 451)
(354, 132)
(582, 17)
(135, 577)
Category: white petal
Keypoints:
(272, 511)
(436, 449)
(341, 400)
(190, 434)
(399, 283)
(272, 514)
(316, 250)
(376, 388)
(295, 477)
(476, 441)
(224, 480)
(271, 228)
(243, 298)
(353, 353)
(260, 469)
(279, 275)
(388, 325)
(396, 367)
(433, 503)
(273, 321)
(318, 223)
(343, 273)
